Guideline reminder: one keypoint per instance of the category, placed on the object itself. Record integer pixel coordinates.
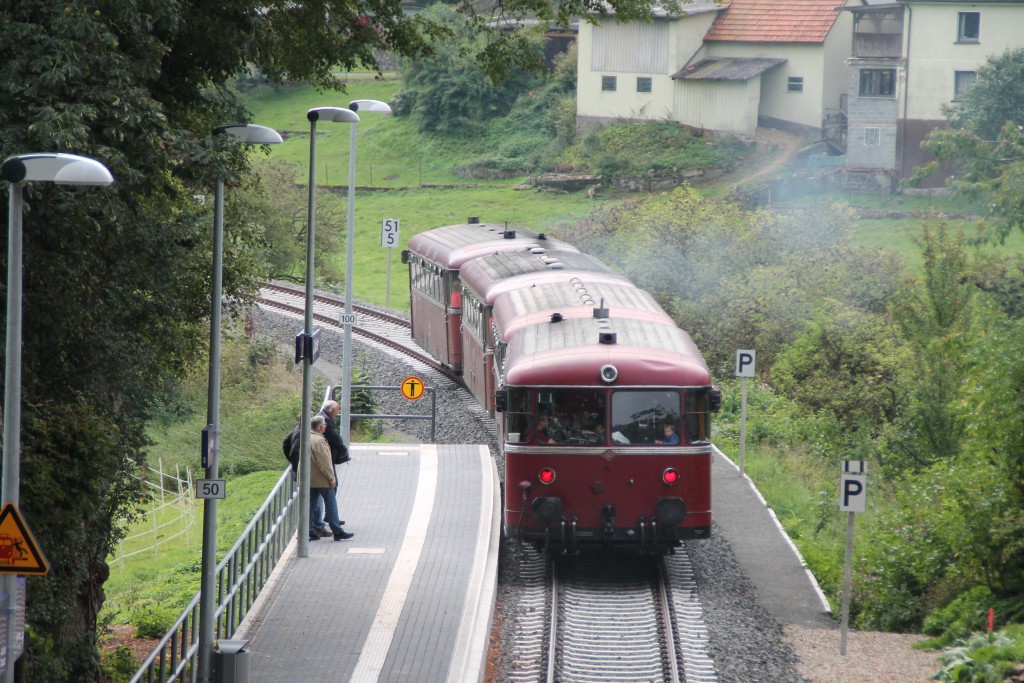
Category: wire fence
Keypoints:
(172, 513)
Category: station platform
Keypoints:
(408, 599)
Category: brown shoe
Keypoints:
(323, 532)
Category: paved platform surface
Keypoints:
(785, 586)
(410, 597)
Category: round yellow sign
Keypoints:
(412, 388)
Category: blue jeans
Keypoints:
(330, 501)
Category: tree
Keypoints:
(985, 141)
(116, 285)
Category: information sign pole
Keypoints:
(389, 228)
(746, 363)
(853, 489)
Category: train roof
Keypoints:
(490, 276)
(453, 245)
(571, 352)
(519, 308)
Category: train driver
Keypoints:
(671, 438)
(541, 431)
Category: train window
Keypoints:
(639, 416)
(518, 416)
(576, 417)
(698, 417)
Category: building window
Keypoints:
(872, 136)
(608, 83)
(962, 81)
(795, 84)
(968, 28)
(877, 82)
(643, 84)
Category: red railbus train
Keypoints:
(604, 403)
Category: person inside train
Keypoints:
(541, 431)
(671, 438)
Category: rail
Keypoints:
(245, 569)
(336, 395)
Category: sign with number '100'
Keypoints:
(210, 488)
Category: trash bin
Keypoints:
(231, 662)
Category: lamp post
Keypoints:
(350, 240)
(337, 114)
(248, 134)
(62, 169)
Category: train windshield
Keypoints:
(644, 417)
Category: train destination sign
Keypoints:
(19, 553)
(412, 388)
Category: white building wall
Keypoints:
(722, 106)
(935, 55)
(631, 50)
(802, 60)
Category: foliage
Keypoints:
(450, 94)
(846, 363)
(985, 140)
(119, 664)
(935, 319)
(983, 658)
(649, 149)
(966, 613)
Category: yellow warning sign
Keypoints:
(19, 553)
(412, 388)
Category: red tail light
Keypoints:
(670, 476)
(546, 476)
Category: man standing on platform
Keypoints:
(322, 482)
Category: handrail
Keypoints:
(256, 552)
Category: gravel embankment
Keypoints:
(747, 644)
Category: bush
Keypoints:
(151, 619)
(959, 618)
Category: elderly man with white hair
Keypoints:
(322, 482)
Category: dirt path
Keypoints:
(775, 149)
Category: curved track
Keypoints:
(382, 328)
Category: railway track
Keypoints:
(382, 328)
(610, 619)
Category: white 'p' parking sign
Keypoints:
(746, 362)
(853, 486)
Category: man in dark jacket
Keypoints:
(339, 452)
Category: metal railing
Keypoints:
(335, 393)
(239, 576)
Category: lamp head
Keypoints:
(370, 105)
(250, 133)
(337, 114)
(63, 169)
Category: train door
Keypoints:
(453, 295)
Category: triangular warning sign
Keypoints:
(19, 553)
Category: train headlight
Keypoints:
(670, 476)
(547, 476)
(609, 373)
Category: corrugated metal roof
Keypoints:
(453, 245)
(726, 69)
(774, 21)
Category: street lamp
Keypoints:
(62, 169)
(337, 114)
(249, 134)
(350, 240)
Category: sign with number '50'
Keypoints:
(210, 488)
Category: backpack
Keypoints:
(291, 449)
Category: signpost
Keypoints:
(853, 494)
(389, 228)
(746, 365)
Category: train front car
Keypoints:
(435, 257)
(606, 436)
